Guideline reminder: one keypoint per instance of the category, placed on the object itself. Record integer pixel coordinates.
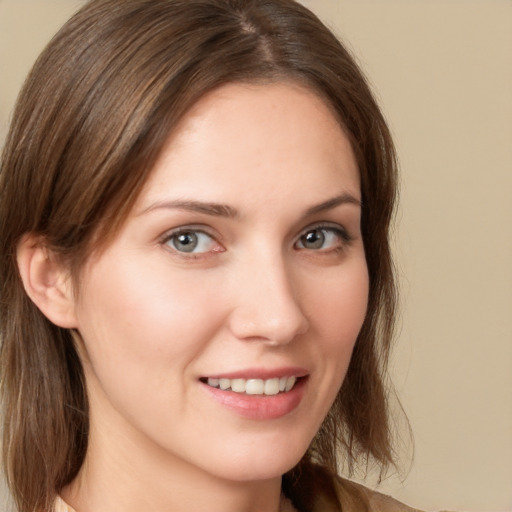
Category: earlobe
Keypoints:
(47, 281)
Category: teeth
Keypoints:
(289, 384)
(214, 382)
(272, 387)
(255, 386)
(223, 383)
(238, 385)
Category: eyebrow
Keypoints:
(224, 210)
(345, 198)
(215, 209)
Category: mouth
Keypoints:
(259, 394)
(262, 387)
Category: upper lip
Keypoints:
(261, 373)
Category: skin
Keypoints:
(254, 295)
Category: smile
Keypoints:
(268, 387)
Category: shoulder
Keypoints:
(355, 497)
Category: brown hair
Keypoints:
(89, 124)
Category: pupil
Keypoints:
(314, 239)
(186, 242)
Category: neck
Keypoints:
(126, 472)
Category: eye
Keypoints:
(192, 241)
(323, 238)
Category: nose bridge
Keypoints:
(267, 305)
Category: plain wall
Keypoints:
(442, 70)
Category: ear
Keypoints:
(47, 281)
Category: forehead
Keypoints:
(245, 135)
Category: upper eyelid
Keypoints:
(334, 226)
(195, 228)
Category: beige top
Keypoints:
(353, 498)
(62, 506)
(357, 498)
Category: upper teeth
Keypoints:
(255, 386)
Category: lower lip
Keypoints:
(260, 407)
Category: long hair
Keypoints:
(89, 124)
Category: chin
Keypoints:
(259, 464)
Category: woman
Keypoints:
(197, 290)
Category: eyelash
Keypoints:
(337, 230)
(190, 230)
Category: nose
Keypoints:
(267, 307)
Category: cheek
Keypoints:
(140, 320)
(341, 304)
(340, 310)
(142, 330)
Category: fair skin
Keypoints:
(242, 258)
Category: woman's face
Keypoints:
(240, 271)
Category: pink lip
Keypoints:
(259, 407)
(261, 373)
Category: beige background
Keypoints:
(443, 72)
